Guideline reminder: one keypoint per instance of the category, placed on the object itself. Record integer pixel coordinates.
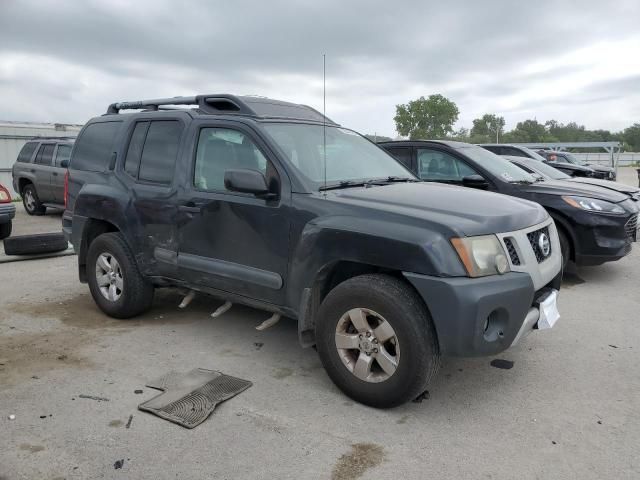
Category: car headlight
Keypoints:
(593, 205)
(482, 255)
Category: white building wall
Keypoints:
(13, 135)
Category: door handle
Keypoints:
(190, 208)
(55, 174)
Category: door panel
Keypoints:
(227, 240)
(63, 152)
(42, 168)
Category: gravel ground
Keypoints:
(569, 407)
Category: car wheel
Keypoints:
(115, 282)
(5, 230)
(31, 202)
(565, 248)
(377, 341)
(37, 244)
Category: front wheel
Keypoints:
(116, 285)
(565, 248)
(376, 340)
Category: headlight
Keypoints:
(593, 205)
(481, 256)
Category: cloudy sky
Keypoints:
(570, 61)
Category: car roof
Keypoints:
(411, 143)
(255, 107)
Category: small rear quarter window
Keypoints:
(27, 152)
(94, 146)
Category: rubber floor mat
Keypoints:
(189, 399)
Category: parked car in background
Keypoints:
(39, 172)
(519, 151)
(548, 172)
(595, 224)
(567, 160)
(271, 204)
(7, 212)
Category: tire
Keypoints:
(35, 244)
(129, 294)
(31, 201)
(416, 352)
(5, 230)
(565, 248)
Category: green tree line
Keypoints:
(433, 118)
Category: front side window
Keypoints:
(158, 159)
(342, 153)
(27, 152)
(222, 149)
(63, 153)
(45, 154)
(440, 166)
(495, 164)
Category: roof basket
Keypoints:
(206, 103)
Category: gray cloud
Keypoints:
(63, 61)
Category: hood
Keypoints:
(571, 166)
(599, 168)
(463, 210)
(569, 187)
(609, 185)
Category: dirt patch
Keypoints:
(281, 373)
(115, 423)
(362, 457)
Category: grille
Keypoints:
(513, 255)
(631, 228)
(533, 240)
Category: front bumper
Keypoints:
(481, 316)
(602, 238)
(7, 212)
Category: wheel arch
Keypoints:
(93, 228)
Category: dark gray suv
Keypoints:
(38, 173)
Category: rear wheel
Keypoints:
(376, 340)
(5, 230)
(31, 201)
(116, 285)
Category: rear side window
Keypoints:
(158, 160)
(45, 154)
(94, 147)
(63, 153)
(27, 152)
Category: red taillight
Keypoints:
(5, 196)
(66, 189)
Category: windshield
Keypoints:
(544, 169)
(569, 158)
(535, 155)
(496, 165)
(349, 156)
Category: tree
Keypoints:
(631, 137)
(528, 131)
(432, 117)
(488, 128)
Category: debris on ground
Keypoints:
(118, 464)
(62, 357)
(500, 363)
(258, 345)
(220, 310)
(613, 346)
(423, 396)
(192, 396)
(269, 322)
(129, 421)
(91, 397)
(137, 392)
(12, 417)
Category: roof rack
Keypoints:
(228, 104)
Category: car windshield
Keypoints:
(533, 154)
(569, 158)
(349, 156)
(543, 168)
(496, 165)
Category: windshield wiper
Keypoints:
(521, 182)
(343, 184)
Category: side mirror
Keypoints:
(247, 181)
(64, 163)
(475, 181)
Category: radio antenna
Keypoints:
(324, 118)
